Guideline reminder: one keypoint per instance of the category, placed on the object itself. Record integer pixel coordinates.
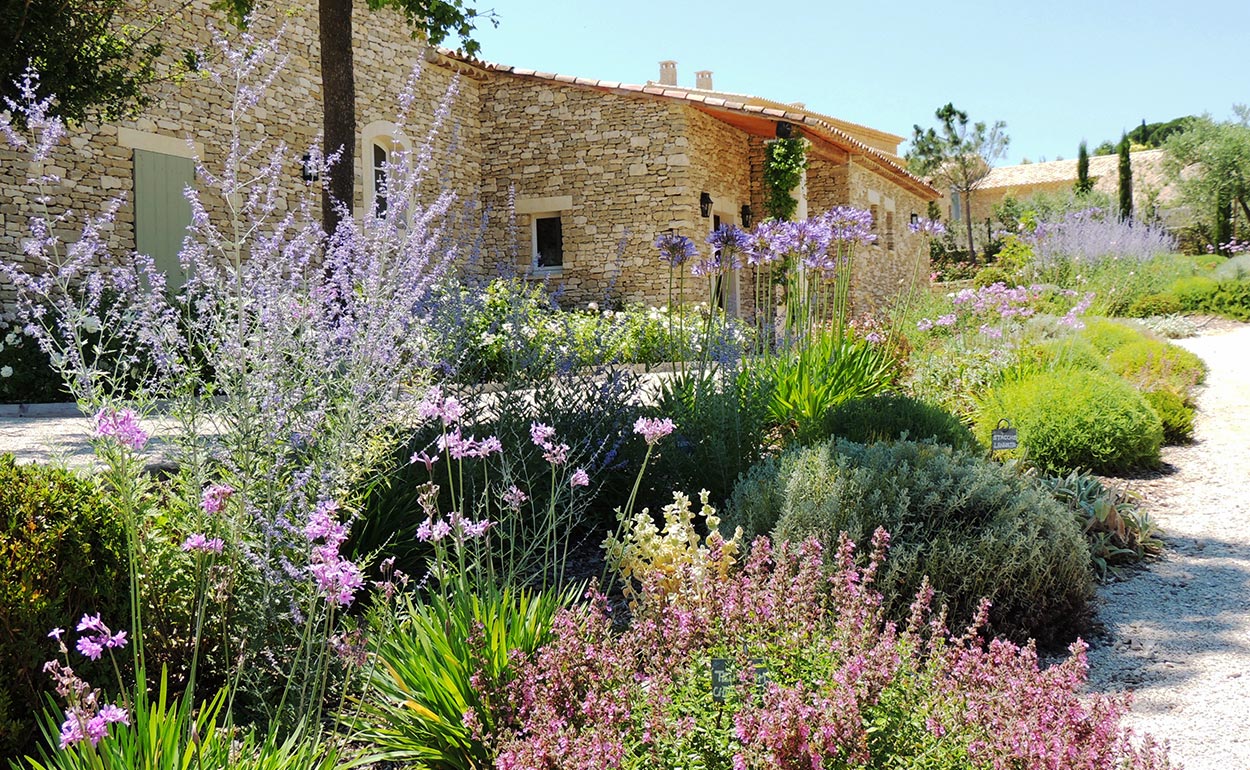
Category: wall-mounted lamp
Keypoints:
(746, 215)
(308, 170)
(705, 204)
(784, 130)
(915, 219)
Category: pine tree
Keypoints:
(1126, 180)
(1083, 183)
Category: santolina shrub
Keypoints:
(894, 416)
(1070, 420)
(809, 674)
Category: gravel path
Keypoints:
(1178, 633)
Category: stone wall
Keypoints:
(96, 160)
(882, 273)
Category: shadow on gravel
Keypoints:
(1157, 626)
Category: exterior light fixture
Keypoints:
(746, 215)
(308, 170)
(705, 204)
(784, 130)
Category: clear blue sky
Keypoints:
(1056, 71)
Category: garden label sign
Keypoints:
(1003, 437)
(722, 680)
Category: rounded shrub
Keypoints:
(1106, 335)
(63, 557)
(1148, 363)
(1065, 353)
(1155, 304)
(1175, 412)
(988, 276)
(1194, 292)
(976, 528)
(1069, 420)
(887, 417)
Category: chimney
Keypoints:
(668, 73)
(703, 80)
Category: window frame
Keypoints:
(535, 268)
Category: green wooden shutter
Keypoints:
(162, 212)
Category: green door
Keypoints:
(162, 212)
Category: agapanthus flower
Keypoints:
(675, 249)
(926, 226)
(652, 429)
(122, 427)
(199, 542)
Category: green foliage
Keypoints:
(1083, 183)
(723, 424)
(1153, 305)
(157, 739)
(993, 274)
(1233, 269)
(1209, 162)
(424, 681)
(1149, 363)
(974, 527)
(784, 161)
(809, 381)
(1107, 336)
(1118, 532)
(1176, 413)
(26, 375)
(1125, 180)
(1194, 292)
(1203, 294)
(1052, 355)
(1069, 420)
(893, 416)
(63, 556)
(97, 62)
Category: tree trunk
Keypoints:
(338, 97)
(972, 251)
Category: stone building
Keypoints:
(576, 176)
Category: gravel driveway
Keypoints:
(1178, 633)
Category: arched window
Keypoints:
(382, 142)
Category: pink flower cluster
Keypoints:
(79, 726)
(436, 406)
(123, 427)
(987, 309)
(97, 637)
(455, 525)
(458, 446)
(653, 429)
(337, 578)
(215, 497)
(200, 542)
(544, 437)
(837, 677)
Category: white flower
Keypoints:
(6, 371)
(10, 339)
(91, 324)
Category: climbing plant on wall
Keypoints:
(784, 162)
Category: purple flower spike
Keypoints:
(122, 427)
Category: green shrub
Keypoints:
(759, 496)
(974, 527)
(889, 416)
(1117, 531)
(1107, 336)
(1193, 292)
(1074, 419)
(1233, 269)
(1063, 354)
(1175, 412)
(987, 276)
(1155, 304)
(1149, 363)
(62, 558)
(1231, 299)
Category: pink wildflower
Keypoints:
(652, 430)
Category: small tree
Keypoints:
(1083, 182)
(958, 155)
(1126, 180)
(1215, 157)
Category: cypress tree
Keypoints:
(1126, 180)
(1083, 183)
(1223, 221)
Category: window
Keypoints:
(380, 199)
(548, 242)
(875, 210)
(889, 230)
(955, 216)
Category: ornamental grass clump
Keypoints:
(809, 673)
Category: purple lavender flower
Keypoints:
(675, 249)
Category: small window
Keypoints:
(380, 199)
(955, 214)
(548, 243)
(876, 219)
(889, 230)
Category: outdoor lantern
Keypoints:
(746, 215)
(915, 219)
(308, 172)
(705, 204)
(784, 130)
